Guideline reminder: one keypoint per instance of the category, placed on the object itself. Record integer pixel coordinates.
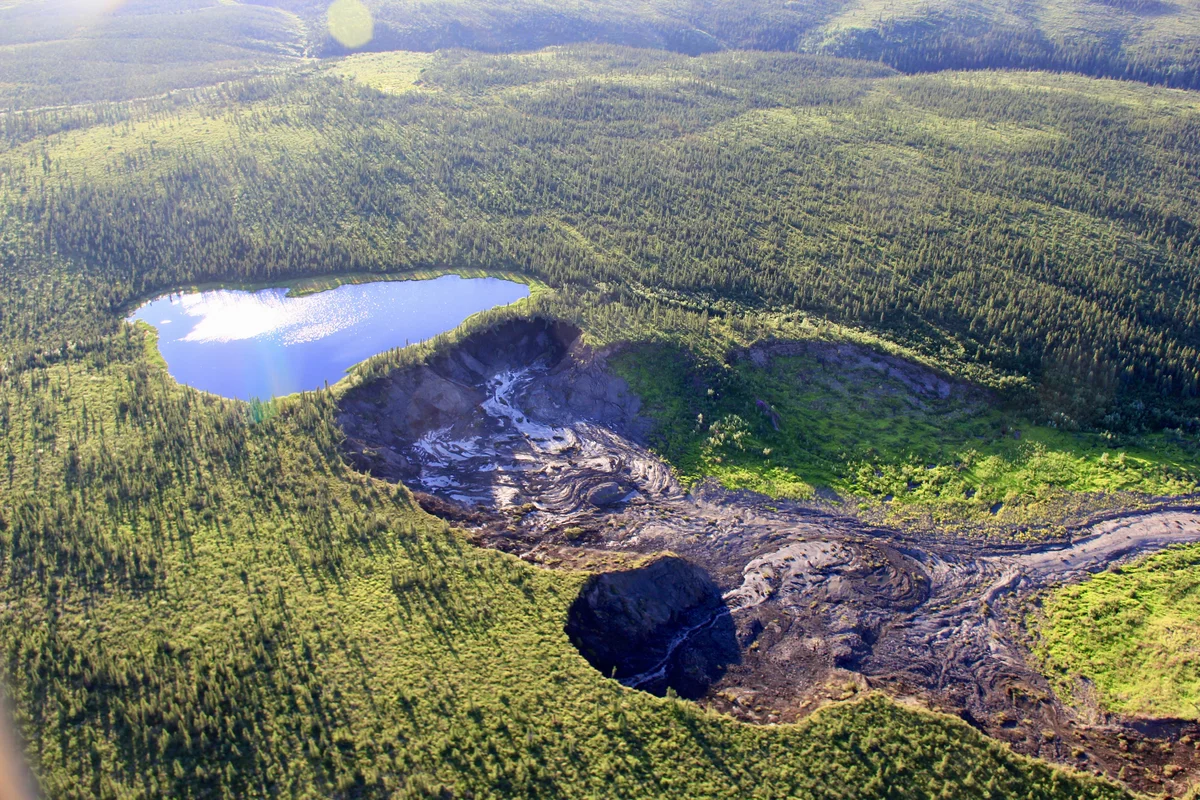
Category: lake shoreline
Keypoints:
(316, 283)
(246, 344)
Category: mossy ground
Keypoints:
(1132, 633)
(799, 425)
(391, 73)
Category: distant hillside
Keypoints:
(61, 52)
(1149, 40)
(688, 26)
(58, 52)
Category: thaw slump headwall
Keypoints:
(658, 626)
(771, 608)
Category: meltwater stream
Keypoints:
(265, 344)
(441, 450)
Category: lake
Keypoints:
(265, 344)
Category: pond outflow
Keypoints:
(265, 344)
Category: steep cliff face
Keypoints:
(468, 425)
(662, 625)
(383, 420)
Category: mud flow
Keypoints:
(764, 609)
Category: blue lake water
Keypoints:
(265, 344)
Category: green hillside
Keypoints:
(57, 52)
(1146, 40)
(200, 599)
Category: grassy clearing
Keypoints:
(897, 439)
(390, 73)
(1132, 633)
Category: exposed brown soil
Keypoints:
(523, 437)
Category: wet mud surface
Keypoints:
(770, 609)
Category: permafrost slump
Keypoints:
(521, 434)
(657, 626)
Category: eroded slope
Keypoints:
(522, 434)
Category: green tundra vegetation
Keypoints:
(199, 599)
(806, 422)
(1125, 640)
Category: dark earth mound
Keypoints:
(658, 626)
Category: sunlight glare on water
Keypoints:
(263, 344)
(227, 316)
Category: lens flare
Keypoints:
(86, 9)
(350, 23)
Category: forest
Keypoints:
(65, 52)
(1002, 221)
(1142, 40)
(201, 599)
